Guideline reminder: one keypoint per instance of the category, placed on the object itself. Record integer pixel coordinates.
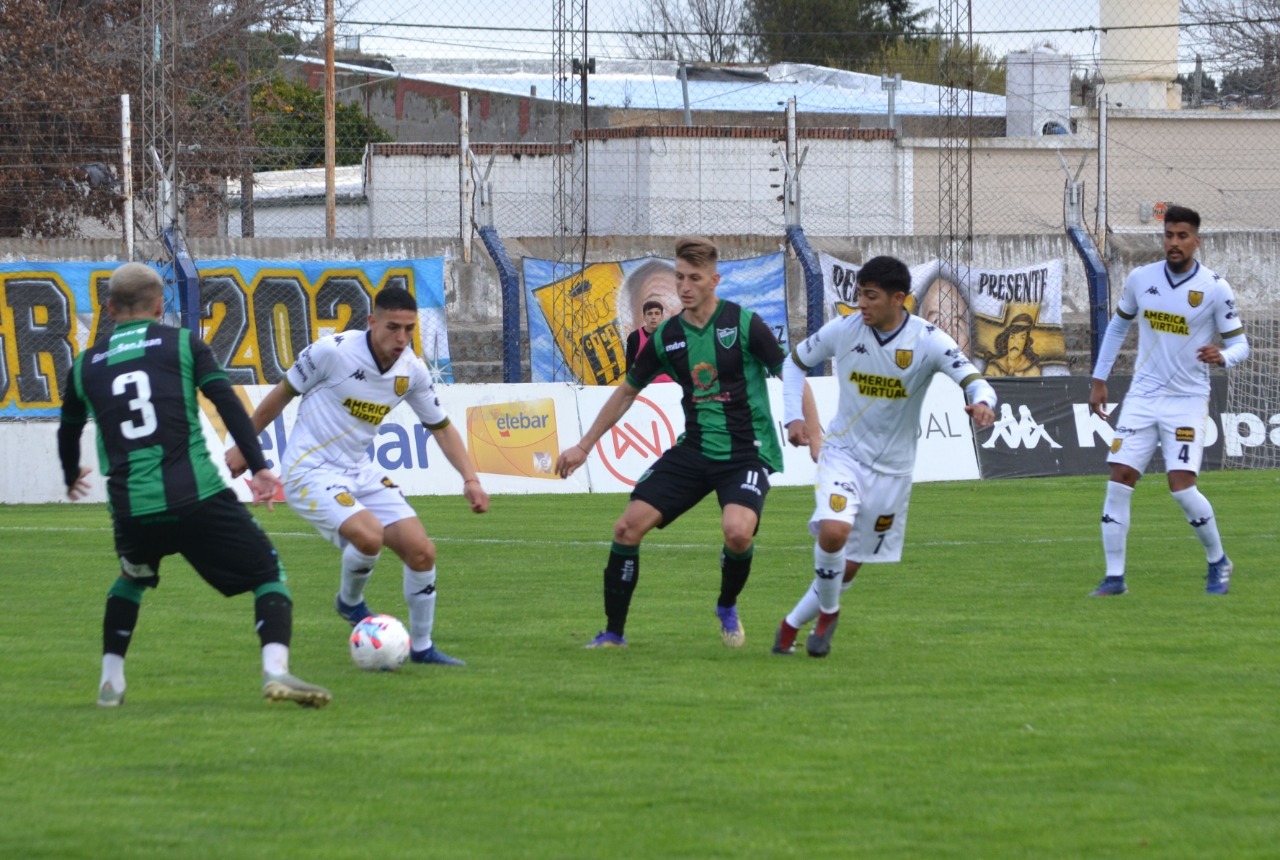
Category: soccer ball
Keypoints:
(380, 643)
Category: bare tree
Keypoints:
(688, 30)
(1241, 38)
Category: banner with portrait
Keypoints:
(579, 319)
(1009, 321)
(256, 315)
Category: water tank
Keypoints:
(1037, 93)
(1140, 53)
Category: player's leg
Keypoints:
(408, 539)
(228, 548)
(1182, 438)
(741, 490)
(832, 576)
(1131, 451)
(362, 541)
(139, 558)
(674, 484)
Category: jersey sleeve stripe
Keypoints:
(1233, 333)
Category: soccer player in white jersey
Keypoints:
(349, 382)
(1179, 305)
(885, 358)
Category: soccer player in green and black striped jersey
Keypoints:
(140, 384)
(720, 354)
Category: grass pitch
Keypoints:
(976, 703)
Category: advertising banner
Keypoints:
(256, 315)
(579, 319)
(1044, 427)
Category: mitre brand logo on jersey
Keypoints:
(372, 413)
(517, 438)
(1166, 322)
(871, 385)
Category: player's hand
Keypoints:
(264, 485)
(569, 461)
(982, 415)
(1210, 354)
(236, 462)
(476, 495)
(77, 491)
(1098, 398)
(798, 433)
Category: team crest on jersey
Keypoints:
(902, 358)
(1195, 297)
(1184, 434)
(727, 336)
(884, 522)
(345, 499)
(390, 484)
(402, 385)
(837, 502)
(1115, 444)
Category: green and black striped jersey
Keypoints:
(140, 385)
(722, 368)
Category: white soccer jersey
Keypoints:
(1173, 322)
(883, 380)
(345, 396)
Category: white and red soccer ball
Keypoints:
(380, 643)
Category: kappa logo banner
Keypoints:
(579, 319)
(1044, 427)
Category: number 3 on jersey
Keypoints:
(146, 423)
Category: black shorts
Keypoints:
(217, 536)
(682, 477)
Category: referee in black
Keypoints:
(139, 384)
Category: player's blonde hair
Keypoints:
(134, 287)
(697, 250)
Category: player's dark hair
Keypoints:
(394, 299)
(696, 250)
(1182, 215)
(652, 305)
(888, 273)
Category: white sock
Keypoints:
(420, 594)
(356, 570)
(112, 671)
(275, 659)
(1200, 515)
(1115, 526)
(829, 576)
(807, 609)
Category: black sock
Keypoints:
(118, 622)
(620, 577)
(735, 567)
(274, 615)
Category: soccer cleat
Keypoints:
(353, 614)
(731, 632)
(109, 698)
(1218, 579)
(606, 639)
(434, 655)
(1110, 585)
(819, 642)
(785, 641)
(286, 688)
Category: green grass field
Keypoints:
(976, 703)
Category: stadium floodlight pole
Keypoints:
(126, 175)
(330, 134)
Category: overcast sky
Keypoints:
(520, 29)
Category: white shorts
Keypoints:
(1176, 424)
(874, 504)
(327, 499)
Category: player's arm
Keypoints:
(614, 408)
(1109, 349)
(268, 410)
(801, 421)
(455, 451)
(75, 414)
(214, 384)
(1235, 346)
(980, 396)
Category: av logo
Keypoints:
(636, 442)
(1025, 431)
